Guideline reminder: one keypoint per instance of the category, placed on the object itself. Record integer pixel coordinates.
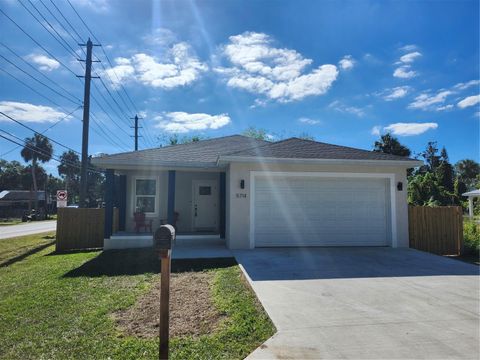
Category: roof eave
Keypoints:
(401, 163)
(151, 165)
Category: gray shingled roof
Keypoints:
(201, 153)
(206, 153)
(295, 148)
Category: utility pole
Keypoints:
(136, 127)
(86, 121)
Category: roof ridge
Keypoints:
(352, 148)
(253, 147)
(168, 146)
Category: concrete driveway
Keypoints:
(359, 303)
(34, 227)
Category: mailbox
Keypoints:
(164, 237)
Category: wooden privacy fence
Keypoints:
(438, 230)
(79, 229)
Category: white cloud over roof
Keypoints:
(278, 74)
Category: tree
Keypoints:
(467, 171)
(444, 172)
(11, 173)
(389, 144)
(430, 156)
(176, 139)
(37, 148)
(259, 134)
(69, 170)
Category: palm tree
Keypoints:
(467, 170)
(36, 148)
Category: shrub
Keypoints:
(471, 237)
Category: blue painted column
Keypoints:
(109, 191)
(171, 197)
(222, 206)
(122, 202)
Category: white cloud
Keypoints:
(30, 113)
(347, 62)
(428, 101)
(404, 72)
(181, 67)
(95, 5)
(464, 86)
(376, 130)
(408, 48)
(410, 57)
(44, 62)
(396, 93)
(277, 73)
(340, 107)
(469, 101)
(409, 129)
(182, 122)
(308, 121)
(160, 36)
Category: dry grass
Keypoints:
(192, 312)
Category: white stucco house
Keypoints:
(252, 193)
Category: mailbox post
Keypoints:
(163, 243)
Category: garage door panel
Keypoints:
(315, 211)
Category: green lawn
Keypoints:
(15, 248)
(59, 306)
(7, 222)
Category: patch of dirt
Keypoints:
(192, 311)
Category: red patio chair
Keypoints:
(141, 222)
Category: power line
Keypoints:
(71, 51)
(40, 82)
(36, 132)
(28, 86)
(39, 72)
(36, 150)
(36, 42)
(44, 131)
(66, 20)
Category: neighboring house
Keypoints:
(14, 203)
(254, 193)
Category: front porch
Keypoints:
(194, 201)
(186, 246)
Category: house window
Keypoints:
(145, 195)
(204, 190)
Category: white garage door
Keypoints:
(320, 211)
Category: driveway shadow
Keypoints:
(141, 261)
(338, 263)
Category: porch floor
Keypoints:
(186, 246)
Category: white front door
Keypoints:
(205, 205)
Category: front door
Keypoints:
(205, 205)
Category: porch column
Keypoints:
(109, 190)
(222, 206)
(122, 202)
(171, 197)
(470, 206)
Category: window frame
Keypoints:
(135, 196)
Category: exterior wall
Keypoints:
(238, 200)
(183, 196)
(161, 202)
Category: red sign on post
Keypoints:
(62, 197)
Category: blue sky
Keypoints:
(342, 71)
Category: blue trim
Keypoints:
(109, 191)
(222, 207)
(122, 202)
(171, 197)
